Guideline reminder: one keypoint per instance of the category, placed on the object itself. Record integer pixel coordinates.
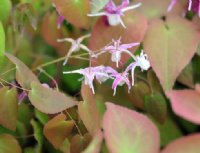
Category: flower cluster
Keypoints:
(193, 5)
(103, 73)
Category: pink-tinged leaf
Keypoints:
(88, 107)
(197, 87)
(57, 130)
(95, 144)
(187, 144)
(24, 75)
(164, 46)
(74, 11)
(8, 107)
(186, 104)
(103, 34)
(8, 144)
(126, 131)
(49, 101)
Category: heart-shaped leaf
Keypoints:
(49, 101)
(186, 104)
(187, 144)
(164, 45)
(57, 129)
(8, 144)
(127, 131)
(8, 107)
(88, 107)
(74, 11)
(24, 75)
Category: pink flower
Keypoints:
(76, 46)
(114, 12)
(90, 73)
(140, 61)
(119, 78)
(116, 49)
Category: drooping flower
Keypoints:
(119, 78)
(76, 46)
(90, 73)
(193, 5)
(116, 49)
(114, 12)
(140, 61)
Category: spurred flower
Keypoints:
(116, 49)
(140, 61)
(76, 46)
(90, 73)
(114, 12)
(119, 78)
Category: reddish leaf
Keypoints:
(49, 101)
(95, 144)
(164, 45)
(187, 144)
(186, 104)
(74, 11)
(8, 144)
(57, 129)
(24, 75)
(103, 34)
(88, 107)
(127, 131)
(8, 107)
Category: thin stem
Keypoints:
(49, 76)
(25, 136)
(79, 131)
(14, 68)
(14, 85)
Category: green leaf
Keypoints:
(57, 130)
(8, 144)
(156, 105)
(43, 118)
(49, 101)
(8, 107)
(38, 134)
(170, 46)
(74, 11)
(2, 42)
(24, 75)
(128, 131)
(5, 9)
